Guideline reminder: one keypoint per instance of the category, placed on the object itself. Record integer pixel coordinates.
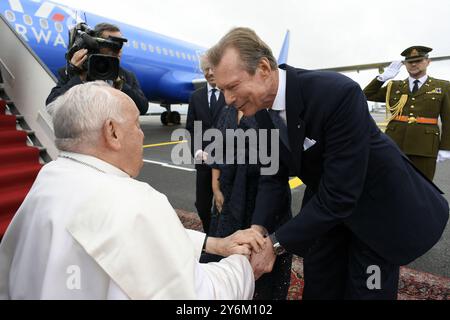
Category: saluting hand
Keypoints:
(391, 71)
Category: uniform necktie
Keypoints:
(416, 86)
(213, 101)
(280, 125)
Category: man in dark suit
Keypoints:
(74, 74)
(205, 106)
(366, 209)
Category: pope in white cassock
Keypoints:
(88, 230)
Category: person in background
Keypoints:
(415, 106)
(235, 187)
(205, 106)
(74, 74)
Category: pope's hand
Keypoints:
(240, 242)
(391, 71)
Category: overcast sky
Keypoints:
(324, 33)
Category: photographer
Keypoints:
(76, 72)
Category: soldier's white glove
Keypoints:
(443, 155)
(391, 72)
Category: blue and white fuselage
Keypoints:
(165, 67)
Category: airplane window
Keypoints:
(178, 54)
(143, 46)
(59, 27)
(183, 55)
(127, 44)
(158, 49)
(44, 24)
(189, 57)
(135, 44)
(172, 53)
(150, 48)
(28, 20)
(194, 58)
(10, 16)
(165, 51)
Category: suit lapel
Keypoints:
(294, 107)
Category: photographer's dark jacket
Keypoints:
(130, 86)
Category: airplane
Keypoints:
(167, 68)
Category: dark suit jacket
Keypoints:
(355, 175)
(130, 87)
(199, 111)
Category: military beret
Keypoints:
(416, 53)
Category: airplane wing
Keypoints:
(380, 66)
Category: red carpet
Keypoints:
(413, 285)
(19, 166)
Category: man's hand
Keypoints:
(77, 61)
(219, 200)
(241, 242)
(391, 71)
(263, 261)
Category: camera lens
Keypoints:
(103, 67)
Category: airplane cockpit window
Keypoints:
(10, 16)
(59, 27)
(28, 20)
(43, 23)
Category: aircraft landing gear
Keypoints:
(170, 118)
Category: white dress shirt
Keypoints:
(279, 104)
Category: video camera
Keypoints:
(98, 66)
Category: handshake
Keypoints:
(251, 243)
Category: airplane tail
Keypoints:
(284, 53)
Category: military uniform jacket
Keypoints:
(431, 101)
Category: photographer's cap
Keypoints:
(416, 53)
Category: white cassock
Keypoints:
(88, 231)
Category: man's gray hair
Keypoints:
(79, 115)
(250, 47)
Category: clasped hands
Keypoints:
(251, 243)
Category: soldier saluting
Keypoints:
(414, 106)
